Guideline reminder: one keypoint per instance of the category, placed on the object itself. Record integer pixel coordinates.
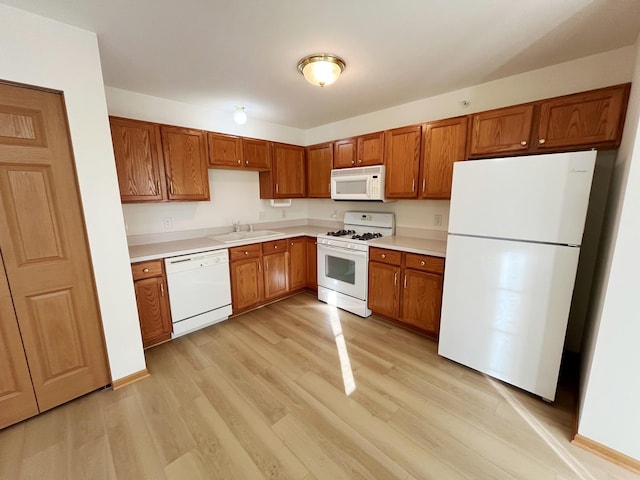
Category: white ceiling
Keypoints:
(222, 53)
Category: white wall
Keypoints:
(609, 68)
(610, 402)
(38, 51)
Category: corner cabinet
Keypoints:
(139, 161)
(157, 163)
(185, 163)
(319, 165)
(407, 288)
(152, 298)
(287, 178)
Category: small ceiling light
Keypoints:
(240, 116)
(321, 69)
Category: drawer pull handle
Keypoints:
(422, 263)
(383, 255)
(405, 281)
(395, 278)
(162, 289)
(145, 270)
(541, 141)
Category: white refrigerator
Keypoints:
(515, 230)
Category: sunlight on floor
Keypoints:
(345, 363)
(558, 447)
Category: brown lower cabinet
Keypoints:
(262, 272)
(406, 287)
(150, 284)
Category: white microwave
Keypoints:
(358, 183)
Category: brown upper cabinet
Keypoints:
(370, 149)
(185, 162)
(584, 119)
(139, 161)
(345, 153)
(319, 165)
(256, 153)
(443, 143)
(286, 179)
(157, 163)
(224, 150)
(501, 131)
(592, 119)
(403, 161)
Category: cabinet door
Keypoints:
(345, 153)
(275, 275)
(506, 130)
(312, 263)
(246, 283)
(421, 300)
(319, 165)
(297, 263)
(256, 153)
(403, 162)
(17, 399)
(153, 310)
(185, 163)
(224, 150)
(370, 149)
(138, 153)
(443, 143)
(45, 250)
(288, 171)
(583, 119)
(384, 289)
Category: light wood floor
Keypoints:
(263, 396)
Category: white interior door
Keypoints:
(505, 308)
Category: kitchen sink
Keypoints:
(237, 236)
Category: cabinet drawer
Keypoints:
(425, 263)
(275, 246)
(246, 251)
(392, 257)
(152, 268)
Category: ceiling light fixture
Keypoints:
(240, 116)
(321, 69)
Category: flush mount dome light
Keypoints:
(321, 69)
(240, 116)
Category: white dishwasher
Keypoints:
(199, 290)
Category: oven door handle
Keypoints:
(357, 253)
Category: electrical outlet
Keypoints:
(437, 220)
(167, 223)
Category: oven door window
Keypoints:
(341, 269)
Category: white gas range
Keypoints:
(343, 260)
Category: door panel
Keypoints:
(17, 399)
(46, 255)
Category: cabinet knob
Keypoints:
(383, 255)
(422, 263)
(359, 161)
(353, 162)
(275, 247)
(246, 162)
(541, 141)
(246, 253)
(523, 143)
(292, 244)
(239, 161)
(145, 270)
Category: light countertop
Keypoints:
(423, 246)
(174, 248)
